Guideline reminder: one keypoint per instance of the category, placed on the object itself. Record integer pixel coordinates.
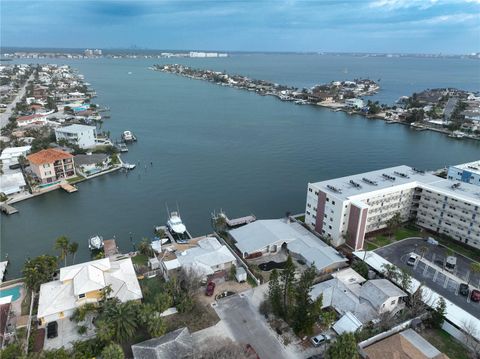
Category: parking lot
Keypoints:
(430, 270)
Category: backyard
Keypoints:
(447, 344)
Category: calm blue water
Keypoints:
(214, 147)
(13, 291)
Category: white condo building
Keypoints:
(467, 172)
(346, 209)
(80, 135)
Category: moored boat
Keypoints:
(95, 243)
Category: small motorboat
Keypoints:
(128, 166)
(95, 243)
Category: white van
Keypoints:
(450, 264)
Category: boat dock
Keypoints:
(7, 209)
(110, 248)
(235, 222)
(69, 188)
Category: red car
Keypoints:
(475, 296)
(210, 288)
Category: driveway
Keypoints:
(67, 334)
(8, 111)
(431, 275)
(247, 326)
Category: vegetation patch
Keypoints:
(447, 344)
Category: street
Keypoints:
(8, 111)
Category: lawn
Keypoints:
(472, 253)
(447, 344)
(140, 259)
(383, 239)
(404, 232)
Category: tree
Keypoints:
(405, 280)
(275, 293)
(220, 348)
(345, 347)
(470, 333)
(438, 314)
(61, 244)
(306, 310)
(72, 249)
(423, 249)
(394, 222)
(390, 271)
(155, 324)
(287, 277)
(12, 351)
(361, 268)
(145, 248)
(113, 351)
(122, 320)
(39, 270)
(474, 268)
(328, 317)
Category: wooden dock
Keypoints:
(7, 209)
(69, 188)
(110, 248)
(238, 221)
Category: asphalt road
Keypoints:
(8, 111)
(247, 326)
(398, 254)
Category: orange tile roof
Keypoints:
(48, 156)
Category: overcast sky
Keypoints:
(420, 26)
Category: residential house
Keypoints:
(207, 257)
(348, 292)
(52, 165)
(35, 119)
(407, 344)
(178, 344)
(354, 103)
(10, 155)
(267, 237)
(80, 135)
(83, 283)
(91, 164)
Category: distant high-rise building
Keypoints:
(88, 52)
(97, 52)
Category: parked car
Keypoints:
(210, 288)
(430, 240)
(451, 263)
(52, 330)
(475, 295)
(412, 259)
(463, 289)
(320, 339)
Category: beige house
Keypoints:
(52, 165)
(83, 283)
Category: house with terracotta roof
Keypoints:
(83, 283)
(31, 120)
(52, 165)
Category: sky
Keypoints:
(389, 26)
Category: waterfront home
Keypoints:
(83, 283)
(81, 135)
(10, 155)
(206, 256)
(90, 164)
(52, 165)
(354, 103)
(268, 237)
(35, 119)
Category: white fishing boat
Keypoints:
(128, 136)
(175, 224)
(122, 147)
(128, 166)
(95, 243)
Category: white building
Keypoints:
(83, 283)
(467, 172)
(271, 235)
(80, 135)
(206, 258)
(10, 155)
(346, 209)
(354, 102)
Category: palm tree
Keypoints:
(390, 272)
(123, 319)
(72, 249)
(145, 248)
(113, 351)
(423, 250)
(61, 244)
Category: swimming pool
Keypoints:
(13, 291)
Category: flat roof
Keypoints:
(74, 128)
(349, 187)
(473, 167)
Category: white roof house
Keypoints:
(12, 182)
(10, 154)
(81, 135)
(82, 283)
(208, 257)
(263, 235)
(348, 323)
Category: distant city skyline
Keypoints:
(372, 26)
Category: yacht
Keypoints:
(128, 136)
(175, 224)
(128, 166)
(95, 243)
